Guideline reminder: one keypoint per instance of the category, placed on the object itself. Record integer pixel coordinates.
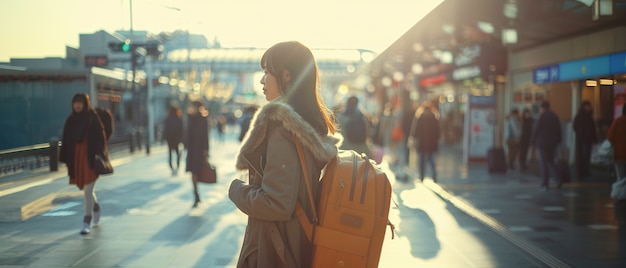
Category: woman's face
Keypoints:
(77, 106)
(270, 86)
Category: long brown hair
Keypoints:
(302, 91)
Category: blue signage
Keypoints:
(585, 68)
(618, 63)
(482, 100)
(546, 74)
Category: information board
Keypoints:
(480, 123)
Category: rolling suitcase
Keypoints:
(496, 160)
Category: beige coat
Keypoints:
(274, 237)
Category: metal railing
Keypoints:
(19, 159)
(27, 158)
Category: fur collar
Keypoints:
(323, 148)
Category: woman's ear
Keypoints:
(286, 77)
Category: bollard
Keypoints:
(131, 142)
(139, 137)
(148, 146)
(54, 154)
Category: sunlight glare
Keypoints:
(369, 24)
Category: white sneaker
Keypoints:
(86, 229)
(96, 218)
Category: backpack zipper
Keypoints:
(354, 171)
(341, 186)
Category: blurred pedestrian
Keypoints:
(197, 144)
(83, 139)
(425, 134)
(384, 124)
(406, 117)
(528, 123)
(274, 237)
(547, 137)
(355, 128)
(248, 114)
(220, 124)
(173, 134)
(617, 136)
(585, 129)
(513, 128)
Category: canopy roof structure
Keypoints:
(517, 24)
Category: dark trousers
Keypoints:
(583, 158)
(173, 146)
(430, 158)
(548, 163)
(523, 154)
(513, 150)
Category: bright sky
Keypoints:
(42, 28)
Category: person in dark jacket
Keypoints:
(528, 124)
(355, 128)
(248, 114)
(197, 144)
(425, 137)
(83, 139)
(173, 134)
(276, 181)
(586, 135)
(547, 137)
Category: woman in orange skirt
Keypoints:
(83, 138)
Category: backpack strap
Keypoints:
(309, 227)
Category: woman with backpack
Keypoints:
(295, 112)
(84, 137)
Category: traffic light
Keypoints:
(123, 47)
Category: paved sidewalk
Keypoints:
(575, 224)
(469, 219)
(148, 222)
(28, 194)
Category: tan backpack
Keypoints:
(351, 216)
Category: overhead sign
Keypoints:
(466, 72)
(546, 74)
(585, 68)
(98, 61)
(467, 55)
(618, 63)
(431, 81)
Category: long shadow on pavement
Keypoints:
(417, 226)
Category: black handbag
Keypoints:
(102, 165)
(208, 174)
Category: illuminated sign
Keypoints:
(467, 55)
(466, 72)
(99, 61)
(618, 63)
(546, 74)
(585, 68)
(430, 81)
